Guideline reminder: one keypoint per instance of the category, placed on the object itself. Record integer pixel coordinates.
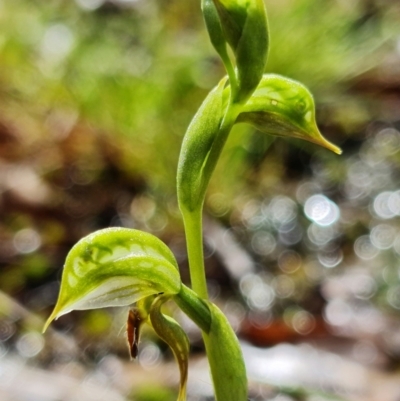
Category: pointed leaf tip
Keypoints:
(333, 148)
(48, 322)
(314, 136)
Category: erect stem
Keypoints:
(193, 219)
(232, 76)
(194, 243)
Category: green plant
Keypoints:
(123, 267)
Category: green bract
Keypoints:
(226, 360)
(115, 267)
(196, 147)
(283, 107)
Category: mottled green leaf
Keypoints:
(226, 360)
(115, 267)
(284, 107)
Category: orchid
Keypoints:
(129, 268)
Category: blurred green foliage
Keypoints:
(154, 394)
(136, 71)
(95, 97)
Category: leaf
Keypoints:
(172, 333)
(226, 360)
(196, 146)
(284, 107)
(115, 267)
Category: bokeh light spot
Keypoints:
(289, 261)
(381, 205)
(337, 312)
(281, 210)
(263, 243)
(330, 259)
(364, 248)
(7, 330)
(149, 355)
(27, 240)
(383, 236)
(283, 286)
(90, 4)
(321, 210)
(303, 322)
(30, 344)
(259, 294)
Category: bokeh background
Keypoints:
(302, 246)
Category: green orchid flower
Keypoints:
(129, 268)
(284, 107)
(115, 267)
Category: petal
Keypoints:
(172, 333)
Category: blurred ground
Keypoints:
(302, 247)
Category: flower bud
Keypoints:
(244, 26)
(283, 107)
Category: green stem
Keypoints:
(232, 76)
(186, 299)
(194, 243)
(193, 219)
